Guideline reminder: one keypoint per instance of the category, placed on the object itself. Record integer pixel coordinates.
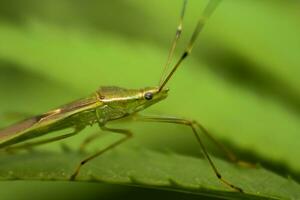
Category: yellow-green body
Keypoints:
(106, 104)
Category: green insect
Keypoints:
(113, 103)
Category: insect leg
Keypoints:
(195, 126)
(230, 155)
(88, 140)
(44, 141)
(125, 132)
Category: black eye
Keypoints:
(148, 95)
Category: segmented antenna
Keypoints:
(174, 42)
(209, 9)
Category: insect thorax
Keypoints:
(121, 102)
(105, 113)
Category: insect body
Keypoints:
(112, 103)
(106, 104)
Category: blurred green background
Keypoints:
(241, 82)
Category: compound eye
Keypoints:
(148, 95)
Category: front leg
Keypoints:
(124, 132)
(195, 126)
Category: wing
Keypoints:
(43, 121)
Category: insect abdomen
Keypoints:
(37, 126)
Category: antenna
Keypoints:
(174, 42)
(209, 9)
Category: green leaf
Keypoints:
(145, 168)
(241, 81)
